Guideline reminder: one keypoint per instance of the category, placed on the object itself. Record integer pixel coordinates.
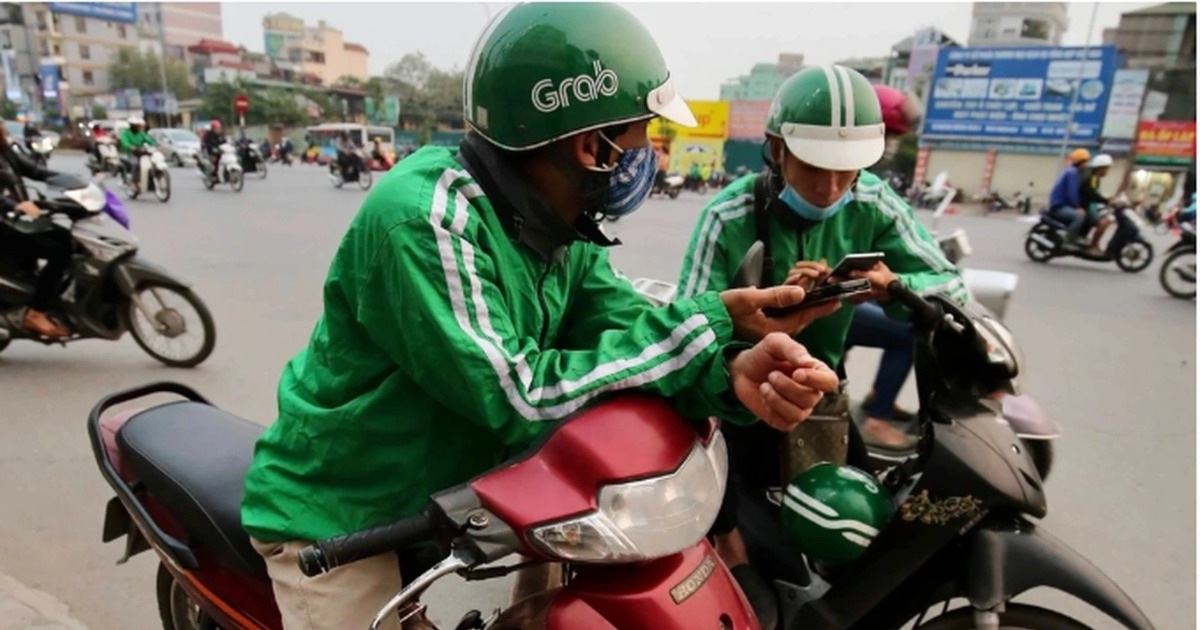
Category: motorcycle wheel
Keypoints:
(1170, 273)
(148, 337)
(674, 193)
(237, 180)
(365, 180)
(1035, 250)
(162, 186)
(175, 607)
(1042, 453)
(262, 170)
(1016, 616)
(1135, 257)
(178, 161)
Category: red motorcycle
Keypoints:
(624, 492)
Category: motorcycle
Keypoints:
(629, 514)
(966, 509)
(108, 289)
(1127, 247)
(109, 161)
(670, 185)
(251, 159)
(228, 171)
(1178, 273)
(355, 173)
(38, 148)
(150, 173)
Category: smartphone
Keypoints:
(822, 295)
(854, 262)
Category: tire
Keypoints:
(162, 186)
(206, 322)
(176, 609)
(1143, 257)
(1017, 616)
(674, 193)
(178, 161)
(1167, 267)
(1035, 250)
(261, 169)
(365, 180)
(1042, 453)
(237, 180)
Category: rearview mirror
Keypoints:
(750, 270)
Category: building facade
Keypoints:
(1018, 24)
(320, 52)
(180, 25)
(764, 79)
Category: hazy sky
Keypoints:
(704, 44)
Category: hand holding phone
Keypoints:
(854, 262)
(823, 295)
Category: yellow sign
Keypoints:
(712, 118)
(707, 154)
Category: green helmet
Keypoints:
(829, 116)
(832, 513)
(544, 71)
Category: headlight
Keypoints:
(91, 198)
(45, 145)
(644, 519)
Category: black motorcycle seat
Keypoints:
(193, 459)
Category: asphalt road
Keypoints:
(1108, 353)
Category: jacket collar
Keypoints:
(519, 206)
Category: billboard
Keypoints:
(1020, 94)
(112, 11)
(712, 121)
(1162, 142)
(703, 152)
(1125, 104)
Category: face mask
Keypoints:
(809, 211)
(630, 180)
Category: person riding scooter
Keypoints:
(132, 140)
(1065, 204)
(211, 145)
(1090, 197)
(347, 154)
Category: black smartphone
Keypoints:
(822, 295)
(854, 262)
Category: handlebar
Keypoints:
(925, 314)
(326, 555)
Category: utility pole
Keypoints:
(1087, 46)
(162, 62)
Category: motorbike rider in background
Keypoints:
(132, 138)
(211, 145)
(377, 413)
(1090, 197)
(347, 152)
(1065, 204)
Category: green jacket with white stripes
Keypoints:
(459, 325)
(877, 220)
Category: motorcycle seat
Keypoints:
(193, 458)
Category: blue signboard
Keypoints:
(49, 74)
(114, 11)
(1020, 94)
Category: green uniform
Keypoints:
(877, 220)
(130, 140)
(462, 319)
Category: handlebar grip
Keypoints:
(326, 555)
(925, 314)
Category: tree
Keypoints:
(8, 109)
(132, 69)
(99, 112)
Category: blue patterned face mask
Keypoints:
(630, 180)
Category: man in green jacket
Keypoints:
(472, 305)
(824, 128)
(131, 138)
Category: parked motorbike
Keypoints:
(151, 173)
(108, 289)
(1178, 273)
(228, 171)
(355, 173)
(1127, 246)
(629, 513)
(966, 510)
(109, 161)
(251, 159)
(670, 185)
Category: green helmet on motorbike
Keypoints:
(829, 117)
(832, 513)
(544, 71)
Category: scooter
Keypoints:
(39, 149)
(355, 173)
(251, 159)
(1127, 247)
(966, 510)
(229, 169)
(109, 161)
(108, 290)
(151, 173)
(670, 185)
(1178, 273)
(625, 492)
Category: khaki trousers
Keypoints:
(346, 598)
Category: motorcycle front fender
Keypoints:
(1003, 562)
(132, 272)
